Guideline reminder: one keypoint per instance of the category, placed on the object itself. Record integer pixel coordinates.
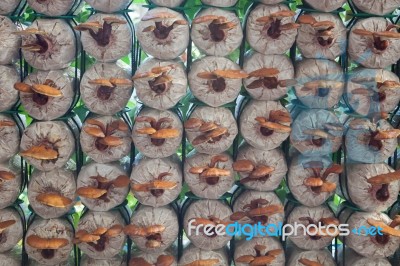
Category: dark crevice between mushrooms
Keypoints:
(382, 194)
(104, 92)
(48, 253)
(380, 45)
(43, 42)
(100, 244)
(325, 43)
(103, 35)
(216, 33)
(273, 30)
(161, 31)
(375, 144)
(218, 85)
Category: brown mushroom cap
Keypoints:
(12, 231)
(193, 254)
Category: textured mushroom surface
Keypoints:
(220, 3)
(8, 95)
(352, 258)
(159, 226)
(325, 5)
(112, 145)
(114, 261)
(47, 145)
(266, 248)
(372, 91)
(366, 141)
(216, 31)
(102, 97)
(209, 176)
(301, 215)
(373, 52)
(316, 132)
(264, 124)
(110, 243)
(9, 137)
(377, 7)
(272, 162)
(320, 83)
(111, 41)
(373, 247)
(166, 133)
(10, 176)
(204, 212)
(168, 3)
(38, 103)
(274, 83)
(161, 258)
(53, 47)
(215, 89)
(52, 8)
(156, 182)
(316, 40)
(370, 196)
(300, 180)
(267, 208)
(109, 6)
(8, 6)
(270, 37)
(207, 140)
(52, 197)
(160, 84)
(49, 241)
(163, 33)
(11, 229)
(321, 257)
(10, 42)
(192, 255)
(102, 186)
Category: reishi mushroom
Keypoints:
(156, 182)
(8, 96)
(377, 7)
(11, 229)
(10, 182)
(215, 80)
(102, 186)
(209, 176)
(52, 197)
(259, 251)
(325, 5)
(10, 42)
(109, 6)
(9, 137)
(216, 31)
(194, 256)
(271, 29)
(157, 134)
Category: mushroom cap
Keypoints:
(8, 95)
(311, 120)
(321, 256)
(165, 49)
(359, 190)
(274, 158)
(146, 216)
(365, 105)
(90, 221)
(147, 170)
(360, 150)
(109, 6)
(58, 134)
(202, 90)
(64, 48)
(200, 187)
(51, 8)
(222, 117)
(359, 47)
(10, 42)
(110, 171)
(55, 107)
(257, 61)
(200, 33)
(9, 140)
(10, 189)
(204, 209)
(44, 182)
(88, 142)
(193, 253)
(168, 3)
(307, 38)
(377, 7)
(263, 43)
(310, 70)
(143, 142)
(250, 127)
(297, 174)
(364, 244)
(120, 40)
(316, 213)
(13, 234)
(325, 5)
(50, 228)
(119, 96)
(169, 98)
